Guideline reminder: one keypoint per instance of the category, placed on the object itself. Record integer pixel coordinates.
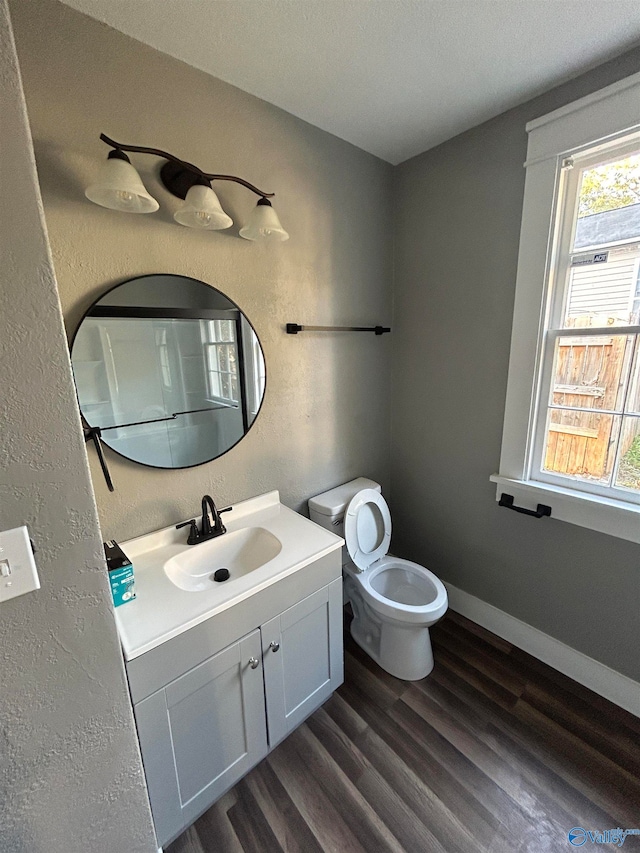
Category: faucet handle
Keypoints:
(193, 532)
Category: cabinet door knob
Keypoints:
(254, 663)
(274, 646)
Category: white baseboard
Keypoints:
(606, 682)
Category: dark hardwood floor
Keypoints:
(494, 752)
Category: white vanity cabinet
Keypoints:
(213, 701)
(201, 733)
(302, 653)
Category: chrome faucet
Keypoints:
(207, 529)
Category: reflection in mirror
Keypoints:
(169, 369)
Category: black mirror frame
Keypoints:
(95, 434)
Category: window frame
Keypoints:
(602, 119)
(211, 331)
(554, 330)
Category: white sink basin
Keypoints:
(264, 543)
(240, 552)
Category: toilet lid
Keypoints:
(367, 528)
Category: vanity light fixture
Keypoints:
(263, 222)
(119, 187)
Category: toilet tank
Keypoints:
(328, 509)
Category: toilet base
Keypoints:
(404, 652)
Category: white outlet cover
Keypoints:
(19, 574)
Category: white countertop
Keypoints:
(161, 610)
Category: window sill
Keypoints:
(617, 518)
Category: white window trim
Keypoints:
(603, 116)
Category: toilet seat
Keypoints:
(367, 528)
(428, 594)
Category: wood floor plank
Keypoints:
(496, 783)
(410, 831)
(612, 742)
(532, 842)
(324, 821)
(615, 791)
(564, 686)
(378, 692)
(250, 823)
(288, 825)
(485, 658)
(579, 707)
(189, 842)
(461, 818)
(215, 830)
(356, 812)
(479, 788)
(477, 679)
(494, 752)
(466, 625)
(517, 745)
(382, 797)
(340, 747)
(344, 715)
(451, 833)
(441, 778)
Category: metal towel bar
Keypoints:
(540, 512)
(294, 328)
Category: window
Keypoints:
(571, 434)
(256, 373)
(588, 427)
(222, 361)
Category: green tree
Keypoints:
(610, 187)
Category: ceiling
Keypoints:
(394, 77)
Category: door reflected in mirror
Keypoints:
(169, 369)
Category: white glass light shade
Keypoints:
(263, 224)
(201, 209)
(119, 187)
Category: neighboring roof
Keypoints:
(608, 227)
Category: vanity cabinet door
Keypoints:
(201, 733)
(303, 659)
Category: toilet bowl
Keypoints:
(394, 601)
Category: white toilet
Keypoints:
(394, 601)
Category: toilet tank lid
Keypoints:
(335, 500)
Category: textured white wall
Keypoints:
(325, 418)
(70, 775)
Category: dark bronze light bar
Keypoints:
(174, 178)
(119, 187)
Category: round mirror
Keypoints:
(169, 369)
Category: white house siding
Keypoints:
(605, 289)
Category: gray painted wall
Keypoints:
(325, 418)
(70, 773)
(458, 211)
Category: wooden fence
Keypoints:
(589, 372)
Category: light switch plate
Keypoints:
(18, 572)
